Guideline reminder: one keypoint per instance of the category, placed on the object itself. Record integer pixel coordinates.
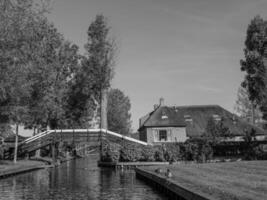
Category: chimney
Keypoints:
(161, 101)
(156, 106)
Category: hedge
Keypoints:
(171, 152)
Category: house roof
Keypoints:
(195, 119)
(156, 119)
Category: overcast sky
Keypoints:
(186, 51)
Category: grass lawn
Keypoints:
(7, 166)
(234, 180)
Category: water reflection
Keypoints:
(77, 179)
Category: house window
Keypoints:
(164, 115)
(188, 118)
(162, 135)
(217, 118)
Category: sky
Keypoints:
(186, 51)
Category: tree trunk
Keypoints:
(34, 131)
(16, 143)
(253, 113)
(103, 117)
(104, 123)
(54, 159)
(38, 151)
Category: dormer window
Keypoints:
(234, 120)
(217, 118)
(188, 118)
(163, 115)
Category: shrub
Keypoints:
(130, 153)
(197, 150)
(148, 154)
(159, 154)
(172, 152)
(193, 150)
(260, 153)
(110, 152)
(1, 152)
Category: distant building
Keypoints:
(178, 123)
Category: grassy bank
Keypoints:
(235, 180)
(8, 168)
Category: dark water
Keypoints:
(78, 179)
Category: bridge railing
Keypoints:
(123, 137)
(37, 136)
(71, 131)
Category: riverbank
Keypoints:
(78, 179)
(129, 165)
(235, 180)
(8, 168)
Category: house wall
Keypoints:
(143, 135)
(174, 134)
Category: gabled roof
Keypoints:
(195, 119)
(156, 119)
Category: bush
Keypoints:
(130, 153)
(198, 150)
(172, 152)
(260, 154)
(191, 152)
(159, 154)
(148, 154)
(1, 152)
(110, 152)
(194, 150)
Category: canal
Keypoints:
(77, 179)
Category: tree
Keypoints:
(249, 139)
(90, 84)
(50, 61)
(119, 117)
(211, 129)
(214, 130)
(101, 52)
(243, 106)
(253, 64)
(36, 65)
(16, 20)
(51, 76)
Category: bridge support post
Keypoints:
(54, 158)
(27, 156)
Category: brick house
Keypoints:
(179, 123)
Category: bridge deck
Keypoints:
(91, 136)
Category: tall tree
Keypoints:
(16, 22)
(253, 64)
(243, 106)
(214, 130)
(90, 85)
(119, 117)
(101, 52)
(51, 76)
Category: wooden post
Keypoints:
(87, 134)
(16, 143)
(54, 160)
(73, 139)
(253, 113)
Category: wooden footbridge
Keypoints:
(82, 138)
